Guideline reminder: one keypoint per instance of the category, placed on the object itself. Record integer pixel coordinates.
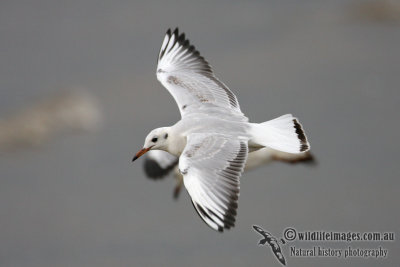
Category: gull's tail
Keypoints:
(284, 133)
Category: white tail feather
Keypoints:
(284, 133)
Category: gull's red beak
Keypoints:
(140, 153)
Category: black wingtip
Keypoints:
(304, 146)
(306, 158)
(176, 31)
(227, 223)
(180, 37)
(154, 171)
(310, 160)
(185, 43)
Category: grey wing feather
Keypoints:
(211, 166)
(190, 79)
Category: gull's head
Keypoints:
(157, 139)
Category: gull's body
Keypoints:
(199, 123)
(213, 138)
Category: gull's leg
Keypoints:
(179, 183)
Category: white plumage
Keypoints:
(213, 138)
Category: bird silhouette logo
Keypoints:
(272, 241)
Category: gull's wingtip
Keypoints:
(172, 31)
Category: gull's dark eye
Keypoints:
(166, 136)
(154, 139)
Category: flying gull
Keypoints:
(213, 137)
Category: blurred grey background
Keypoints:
(77, 200)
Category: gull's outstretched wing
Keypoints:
(190, 79)
(159, 163)
(266, 155)
(211, 166)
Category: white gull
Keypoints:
(213, 137)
